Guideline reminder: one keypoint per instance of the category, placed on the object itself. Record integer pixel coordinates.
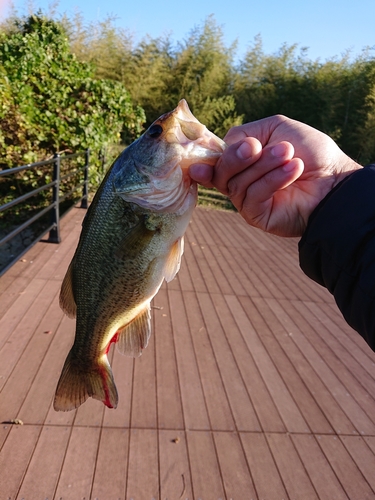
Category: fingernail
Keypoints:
(244, 152)
(279, 150)
(289, 167)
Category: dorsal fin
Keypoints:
(133, 337)
(67, 302)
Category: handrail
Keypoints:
(15, 170)
(54, 206)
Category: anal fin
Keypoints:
(173, 262)
(134, 337)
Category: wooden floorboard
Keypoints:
(252, 386)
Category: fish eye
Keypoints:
(155, 131)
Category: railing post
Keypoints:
(54, 234)
(102, 159)
(85, 193)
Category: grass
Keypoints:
(211, 197)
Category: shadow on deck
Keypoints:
(253, 386)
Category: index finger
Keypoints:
(260, 129)
(235, 159)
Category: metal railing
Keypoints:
(56, 199)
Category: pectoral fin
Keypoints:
(67, 301)
(135, 240)
(133, 338)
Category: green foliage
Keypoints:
(148, 76)
(202, 73)
(333, 96)
(51, 102)
(158, 74)
(62, 86)
(15, 142)
(365, 134)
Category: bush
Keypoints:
(50, 100)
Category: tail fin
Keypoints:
(76, 385)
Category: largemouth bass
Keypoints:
(131, 240)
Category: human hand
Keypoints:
(276, 171)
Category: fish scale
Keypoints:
(131, 240)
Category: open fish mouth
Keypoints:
(178, 140)
(197, 142)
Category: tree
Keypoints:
(106, 48)
(332, 96)
(158, 74)
(54, 96)
(203, 75)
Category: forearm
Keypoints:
(337, 249)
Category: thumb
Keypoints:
(202, 173)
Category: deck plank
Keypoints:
(15, 457)
(347, 392)
(303, 336)
(144, 404)
(175, 477)
(32, 262)
(266, 477)
(203, 267)
(289, 411)
(195, 274)
(272, 339)
(353, 342)
(143, 465)
(253, 386)
(324, 400)
(237, 478)
(111, 474)
(362, 456)
(11, 289)
(261, 399)
(212, 257)
(236, 392)
(78, 467)
(44, 469)
(220, 414)
(37, 403)
(291, 469)
(14, 316)
(362, 369)
(205, 469)
(27, 332)
(192, 396)
(345, 468)
(318, 468)
(169, 405)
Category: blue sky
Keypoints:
(326, 27)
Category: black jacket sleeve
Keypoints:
(337, 249)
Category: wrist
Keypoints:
(347, 169)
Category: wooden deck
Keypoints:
(253, 386)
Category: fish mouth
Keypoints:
(197, 143)
(182, 140)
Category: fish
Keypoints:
(132, 239)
